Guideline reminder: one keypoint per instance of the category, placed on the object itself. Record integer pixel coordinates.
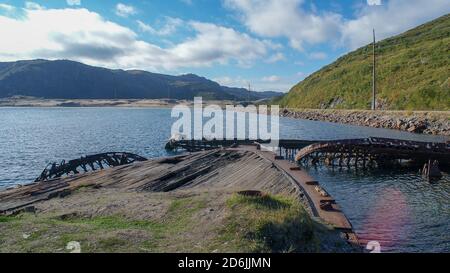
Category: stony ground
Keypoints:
(435, 123)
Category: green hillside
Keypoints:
(413, 74)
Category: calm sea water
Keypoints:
(399, 209)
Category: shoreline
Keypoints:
(420, 122)
(119, 103)
(74, 103)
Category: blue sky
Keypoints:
(271, 44)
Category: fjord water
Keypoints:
(398, 208)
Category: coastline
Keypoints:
(121, 103)
(421, 122)
(36, 102)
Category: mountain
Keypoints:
(243, 94)
(63, 79)
(413, 71)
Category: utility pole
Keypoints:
(374, 82)
(249, 90)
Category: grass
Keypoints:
(6, 219)
(115, 233)
(238, 224)
(269, 224)
(412, 74)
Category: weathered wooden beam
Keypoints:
(379, 149)
(55, 170)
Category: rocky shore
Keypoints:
(433, 123)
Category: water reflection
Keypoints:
(398, 208)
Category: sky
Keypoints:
(270, 44)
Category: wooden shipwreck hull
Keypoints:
(86, 164)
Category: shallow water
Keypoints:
(399, 209)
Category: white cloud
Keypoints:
(272, 79)
(390, 19)
(262, 84)
(146, 28)
(33, 5)
(73, 2)
(269, 83)
(85, 36)
(374, 2)
(228, 81)
(123, 10)
(220, 44)
(277, 57)
(318, 55)
(6, 7)
(286, 18)
(170, 27)
(303, 27)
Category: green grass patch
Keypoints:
(7, 219)
(114, 233)
(260, 202)
(268, 224)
